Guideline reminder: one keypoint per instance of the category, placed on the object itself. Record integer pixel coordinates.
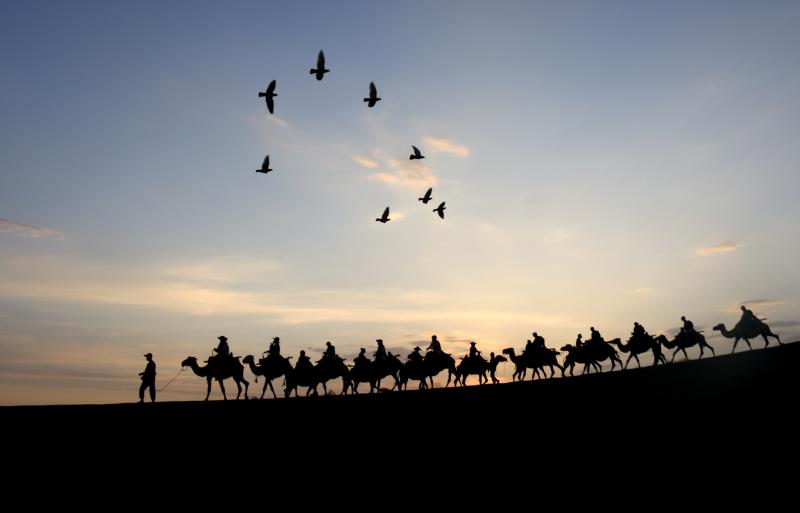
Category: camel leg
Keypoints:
(628, 361)
(683, 349)
(208, 390)
(272, 389)
(638, 363)
(673, 355)
(562, 370)
(222, 387)
(264, 390)
(750, 347)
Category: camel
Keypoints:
(373, 372)
(472, 365)
(320, 374)
(590, 355)
(681, 342)
(538, 360)
(747, 332)
(230, 367)
(418, 371)
(639, 345)
(270, 368)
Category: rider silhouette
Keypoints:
(303, 361)
(361, 359)
(579, 341)
(222, 348)
(748, 317)
(435, 346)
(596, 337)
(380, 353)
(538, 341)
(473, 351)
(274, 347)
(688, 327)
(330, 352)
(638, 330)
(528, 347)
(415, 356)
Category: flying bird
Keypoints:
(265, 166)
(427, 197)
(320, 69)
(269, 94)
(416, 155)
(440, 210)
(384, 217)
(373, 95)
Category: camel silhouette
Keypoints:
(324, 371)
(228, 367)
(591, 355)
(476, 365)
(374, 371)
(641, 344)
(270, 368)
(432, 364)
(537, 360)
(682, 341)
(745, 333)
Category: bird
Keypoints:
(269, 94)
(416, 155)
(320, 69)
(440, 210)
(384, 217)
(265, 166)
(427, 197)
(373, 95)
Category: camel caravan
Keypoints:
(536, 357)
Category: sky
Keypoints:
(601, 164)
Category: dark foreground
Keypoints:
(730, 409)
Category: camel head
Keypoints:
(615, 341)
(248, 359)
(568, 348)
(499, 358)
(508, 350)
(189, 361)
(718, 327)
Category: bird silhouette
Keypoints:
(384, 217)
(427, 197)
(440, 210)
(320, 70)
(373, 95)
(264, 166)
(416, 155)
(269, 94)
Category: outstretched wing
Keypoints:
(428, 193)
(271, 88)
(373, 91)
(321, 60)
(265, 165)
(416, 151)
(385, 213)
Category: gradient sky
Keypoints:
(601, 162)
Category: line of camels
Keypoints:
(537, 358)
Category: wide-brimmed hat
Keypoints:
(148, 355)
(417, 348)
(222, 337)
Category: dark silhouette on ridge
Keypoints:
(320, 70)
(749, 326)
(640, 342)
(416, 155)
(536, 356)
(440, 209)
(228, 368)
(330, 366)
(372, 372)
(264, 166)
(591, 353)
(423, 368)
(271, 367)
(426, 197)
(385, 217)
(148, 379)
(268, 96)
(687, 337)
(373, 95)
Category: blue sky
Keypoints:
(601, 164)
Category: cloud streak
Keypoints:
(368, 163)
(445, 145)
(723, 247)
(28, 231)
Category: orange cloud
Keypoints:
(28, 231)
(723, 247)
(445, 145)
(366, 162)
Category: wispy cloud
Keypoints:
(723, 247)
(412, 174)
(28, 231)
(383, 177)
(368, 163)
(445, 145)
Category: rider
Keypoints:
(434, 346)
(596, 337)
(688, 327)
(330, 352)
(473, 351)
(380, 353)
(538, 341)
(415, 356)
(748, 317)
(361, 359)
(579, 341)
(638, 330)
(274, 347)
(222, 348)
(303, 361)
